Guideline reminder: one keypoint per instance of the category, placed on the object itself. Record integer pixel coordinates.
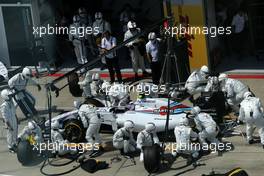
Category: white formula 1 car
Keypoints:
(140, 112)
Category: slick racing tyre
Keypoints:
(234, 172)
(74, 87)
(237, 172)
(74, 131)
(94, 102)
(152, 158)
(24, 153)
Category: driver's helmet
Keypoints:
(141, 96)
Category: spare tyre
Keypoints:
(74, 87)
(237, 172)
(152, 158)
(24, 153)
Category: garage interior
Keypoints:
(58, 49)
(252, 55)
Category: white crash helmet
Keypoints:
(5, 94)
(87, 108)
(150, 127)
(129, 125)
(98, 15)
(204, 69)
(27, 72)
(152, 36)
(222, 77)
(131, 25)
(184, 122)
(95, 77)
(77, 104)
(247, 94)
(195, 110)
(31, 125)
(55, 125)
(76, 18)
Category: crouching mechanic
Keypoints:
(8, 112)
(184, 136)
(234, 90)
(197, 81)
(251, 112)
(62, 146)
(147, 138)
(208, 129)
(123, 138)
(32, 132)
(25, 100)
(92, 122)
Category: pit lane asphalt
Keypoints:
(249, 157)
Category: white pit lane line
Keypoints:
(6, 175)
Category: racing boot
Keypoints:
(12, 150)
(251, 141)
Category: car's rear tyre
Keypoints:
(152, 158)
(74, 131)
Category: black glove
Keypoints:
(126, 138)
(39, 87)
(240, 122)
